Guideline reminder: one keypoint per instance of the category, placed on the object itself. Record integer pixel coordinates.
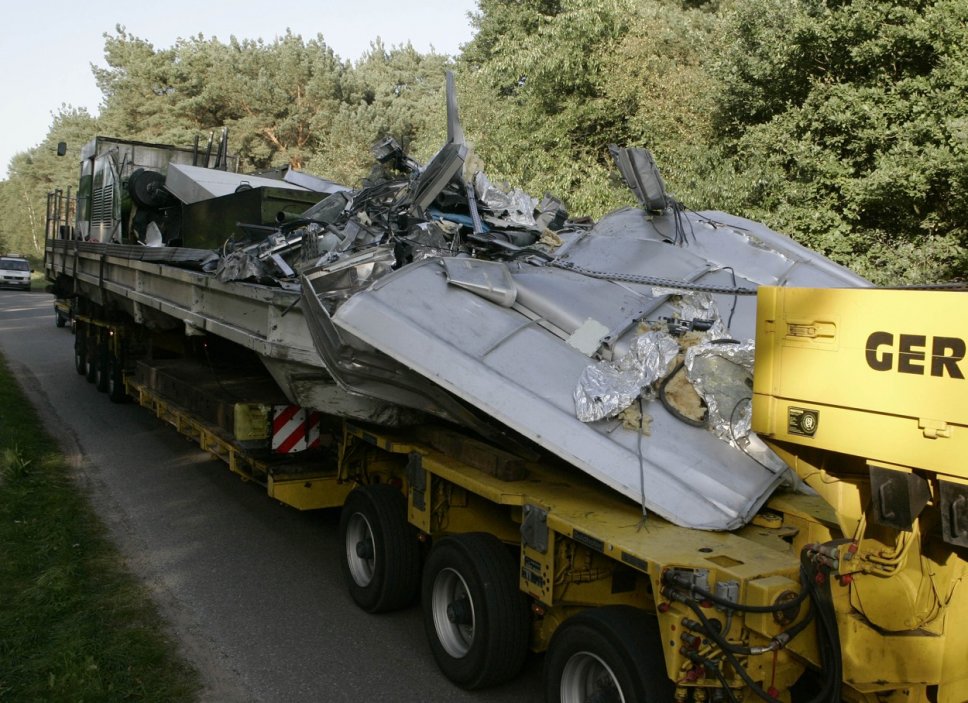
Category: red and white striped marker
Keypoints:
(294, 429)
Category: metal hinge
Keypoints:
(935, 429)
(417, 478)
(534, 528)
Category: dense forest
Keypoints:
(842, 123)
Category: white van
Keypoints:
(14, 272)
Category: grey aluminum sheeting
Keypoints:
(523, 376)
(515, 364)
(191, 184)
(313, 183)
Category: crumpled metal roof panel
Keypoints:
(513, 361)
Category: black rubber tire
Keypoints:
(59, 319)
(102, 356)
(374, 518)
(116, 391)
(147, 189)
(90, 360)
(80, 354)
(493, 649)
(616, 646)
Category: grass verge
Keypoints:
(74, 624)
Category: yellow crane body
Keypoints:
(864, 393)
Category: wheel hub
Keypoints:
(360, 551)
(364, 549)
(453, 613)
(588, 679)
(459, 612)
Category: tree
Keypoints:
(138, 87)
(396, 92)
(552, 84)
(274, 97)
(541, 115)
(36, 172)
(287, 95)
(846, 123)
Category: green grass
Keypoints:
(37, 279)
(74, 624)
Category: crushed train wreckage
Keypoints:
(621, 347)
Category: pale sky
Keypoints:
(48, 46)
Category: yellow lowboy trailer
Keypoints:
(669, 612)
(578, 546)
(852, 591)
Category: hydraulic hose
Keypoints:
(816, 586)
(677, 580)
(778, 642)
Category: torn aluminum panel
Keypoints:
(370, 377)
(522, 375)
(588, 338)
(516, 366)
(431, 240)
(724, 252)
(329, 209)
(239, 265)
(333, 283)
(312, 387)
(489, 279)
(445, 165)
(313, 183)
(448, 162)
(552, 214)
(455, 132)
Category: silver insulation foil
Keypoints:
(513, 206)
(702, 306)
(608, 387)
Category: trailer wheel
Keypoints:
(613, 653)
(80, 354)
(90, 359)
(59, 319)
(116, 391)
(381, 554)
(476, 618)
(101, 363)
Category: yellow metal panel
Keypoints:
(419, 498)
(883, 370)
(876, 660)
(310, 493)
(537, 571)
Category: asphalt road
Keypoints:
(251, 588)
